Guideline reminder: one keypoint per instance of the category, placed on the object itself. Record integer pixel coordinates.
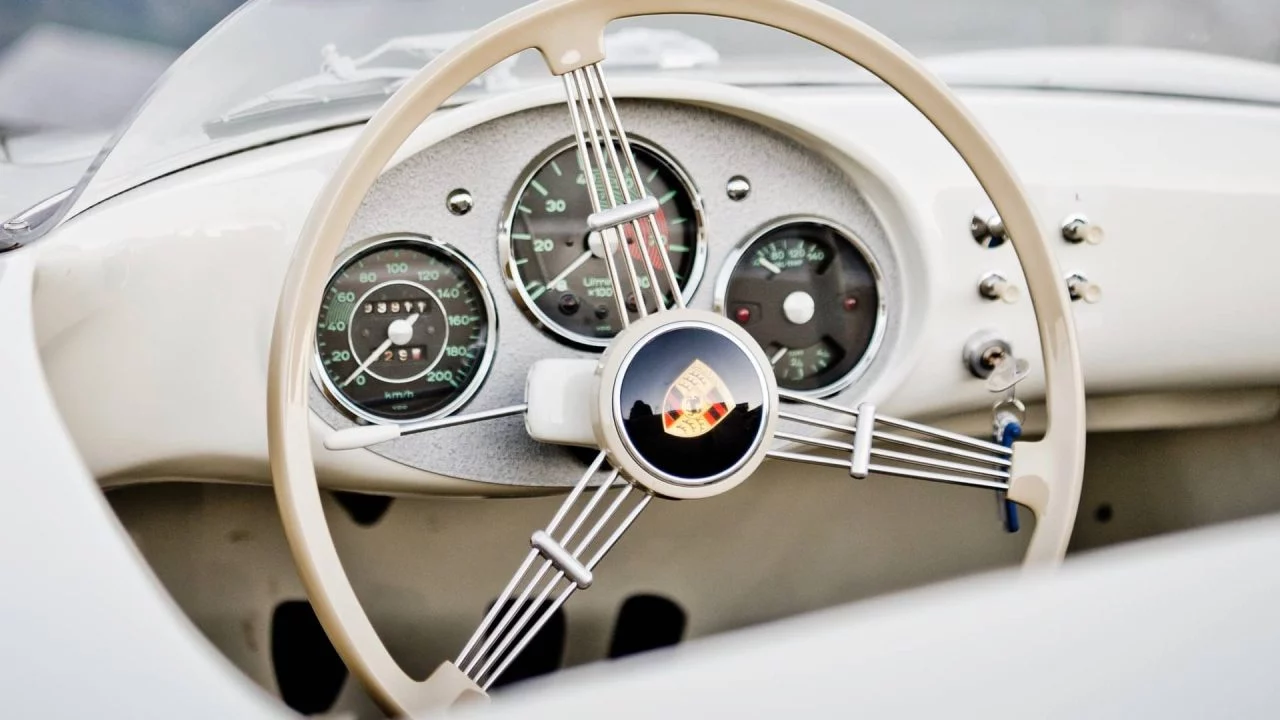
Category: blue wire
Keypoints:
(1009, 434)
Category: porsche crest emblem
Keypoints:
(696, 402)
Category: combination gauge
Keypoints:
(808, 292)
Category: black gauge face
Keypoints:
(404, 331)
(808, 295)
(556, 277)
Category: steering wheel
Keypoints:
(683, 402)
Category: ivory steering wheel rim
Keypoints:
(569, 34)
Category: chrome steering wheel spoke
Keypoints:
(946, 457)
(569, 556)
(607, 158)
(568, 561)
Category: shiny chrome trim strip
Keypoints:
(14, 232)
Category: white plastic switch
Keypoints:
(561, 396)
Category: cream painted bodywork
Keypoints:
(85, 598)
(141, 307)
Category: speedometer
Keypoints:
(553, 271)
(406, 330)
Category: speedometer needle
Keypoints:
(399, 332)
(778, 355)
(577, 263)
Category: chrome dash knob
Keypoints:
(1080, 287)
(1077, 229)
(994, 286)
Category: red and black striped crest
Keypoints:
(696, 402)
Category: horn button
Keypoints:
(685, 404)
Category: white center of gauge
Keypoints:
(597, 242)
(400, 332)
(798, 307)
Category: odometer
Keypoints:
(405, 330)
(553, 272)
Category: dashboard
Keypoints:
(471, 259)
(193, 262)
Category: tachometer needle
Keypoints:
(770, 266)
(577, 263)
(399, 332)
(778, 355)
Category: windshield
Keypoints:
(277, 68)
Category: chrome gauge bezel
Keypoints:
(372, 244)
(506, 259)
(882, 312)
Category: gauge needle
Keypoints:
(770, 266)
(399, 332)
(577, 263)
(778, 355)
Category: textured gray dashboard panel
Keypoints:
(489, 159)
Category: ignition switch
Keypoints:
(984, 351)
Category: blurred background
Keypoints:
(81, 65)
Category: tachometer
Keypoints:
(406, 330)
(553, 272)
(807, 292)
